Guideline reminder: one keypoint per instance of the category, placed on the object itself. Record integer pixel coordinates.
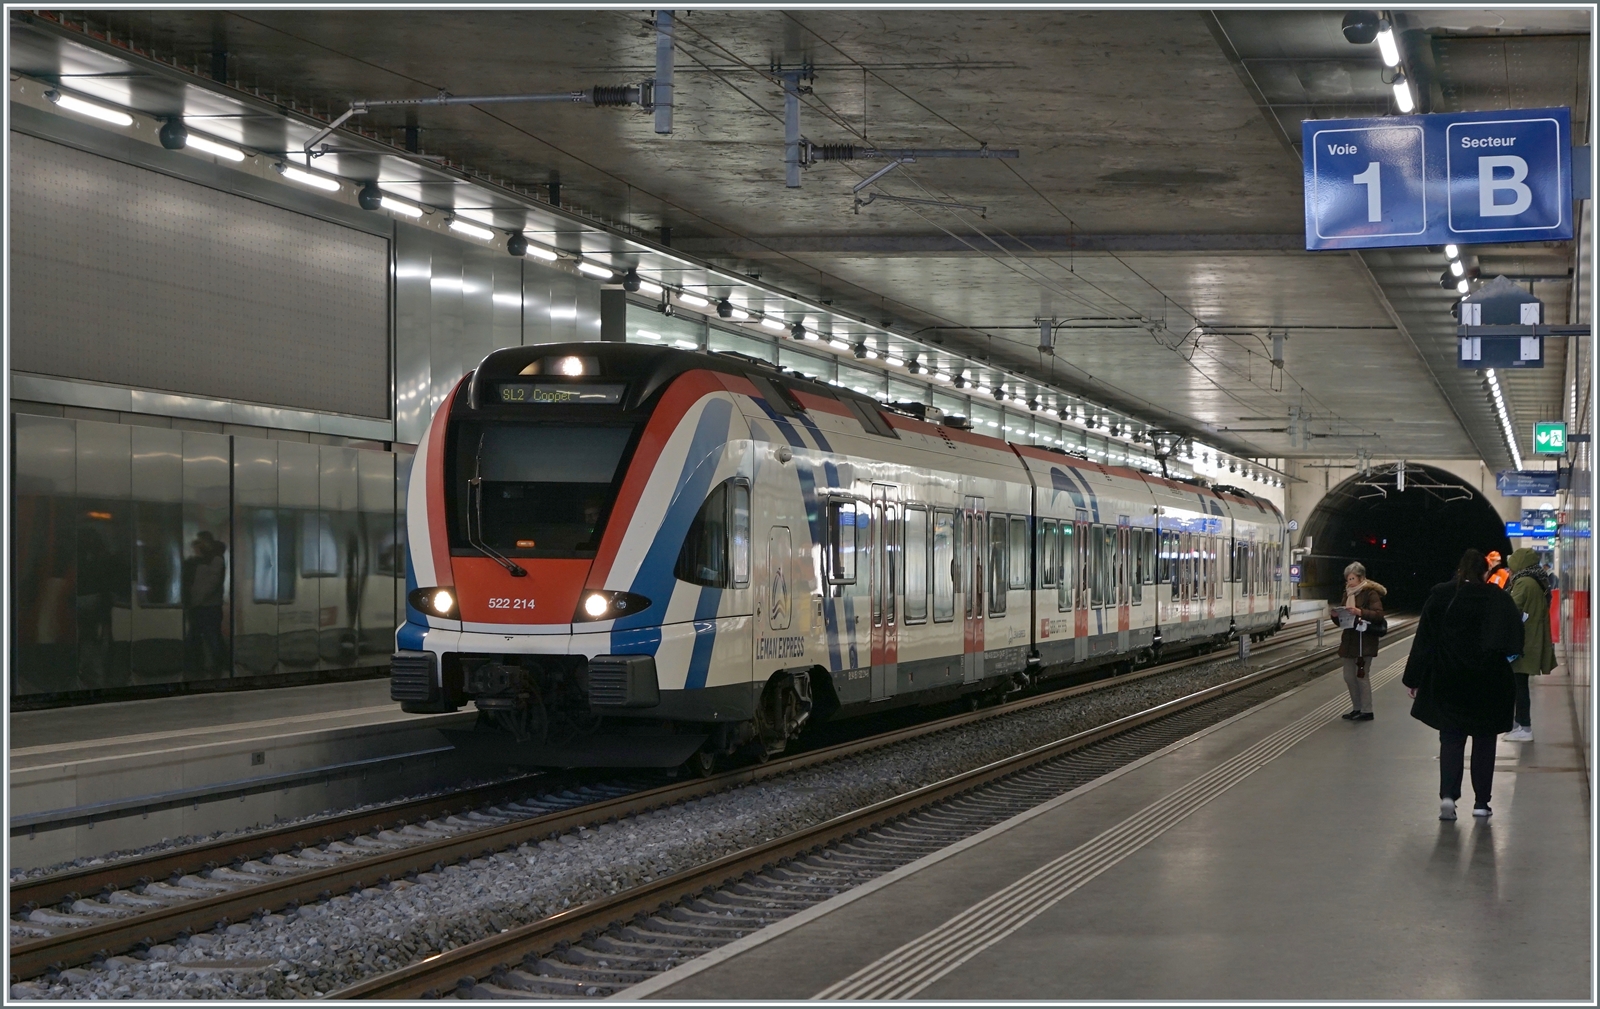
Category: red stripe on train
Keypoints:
(438, 533)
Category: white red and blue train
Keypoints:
(630, 555)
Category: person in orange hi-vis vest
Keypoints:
(1499, 574)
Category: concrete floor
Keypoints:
(1324, 874)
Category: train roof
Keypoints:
(649, 370)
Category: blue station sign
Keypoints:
(1465, 178)
(1527, 483)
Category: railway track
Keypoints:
(608, 945)
(71, 918)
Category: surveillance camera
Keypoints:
(797, 331)
(725, 309)
(174, 135)
(517, 244)
(859, 350)
(998, 392)
(630, 280)
(371, 198)
(1360, 27)
(913, 367)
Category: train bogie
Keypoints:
(645, 554)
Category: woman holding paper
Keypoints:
(1360, 617)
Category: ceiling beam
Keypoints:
(1022, 245)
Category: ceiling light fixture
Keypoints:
(1451, 251)
(838, 345)
(395, 206)
(647, 334)
(776, 325)
(592, 269)
(894, 362)
(1463, 286)
(224, 151)
(90, 109)
(1402, 93)
(650, 287)
(1456, 267)
(321, 182)
(1387, 46)
(693, 299)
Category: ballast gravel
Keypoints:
(326, 946)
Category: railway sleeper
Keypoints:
(520, 983)
(655, 932)
(614, 949)
(758, 900)
(690, 927)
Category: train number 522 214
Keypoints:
(502, 603)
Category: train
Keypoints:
(627, 555)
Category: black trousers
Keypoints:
(1523, 715)
(1452, 750)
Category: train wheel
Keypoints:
(702, 764)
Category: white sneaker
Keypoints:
(1447, 809)
(1520, 734)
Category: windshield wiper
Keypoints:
(476, 540)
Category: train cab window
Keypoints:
(843, 541)
(999, 576)
(540, 491)
(944, 566)
(1018, 560)
(716, 550)
(916, 564)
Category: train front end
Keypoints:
(549, 505)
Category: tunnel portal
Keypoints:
(1408, 540)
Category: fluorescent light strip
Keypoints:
(321, 182)
(593, 270)
(210, 146)
(1456, 267)
(1386, 45)
(647, 334)
(776, 325)
(395, 206)
(692, 299)
(541, 252)
(685, 344)
(90, 109)
(458, 225)
(649, 287)
(838, 345)
(740, 315)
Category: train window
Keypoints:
(1019, 553)
(1066, 564)
(1136, 547)
(739, 506)
(545, 489)
(999, 581)
(944, 566)
(1098, 566)
(843, 541)
(1084, 559)
(703, 559)
(1047, 553)
(1149, 556)
(916, 564)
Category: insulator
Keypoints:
(833, 152)
(620, 95)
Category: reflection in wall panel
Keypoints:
(446, 355)
(44, 631)
(300, 546)
(380, 567)
(338, 574)
(413, 304)
(258, 577)
(105, 553)
(159, 561)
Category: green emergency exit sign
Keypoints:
(1550, 437)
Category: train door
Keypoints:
(1124, 586)
(972, 581)
(883, 590)
(1185, 578)
(1080, 560)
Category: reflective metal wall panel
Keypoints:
(105, 553)
(44, 615)
(303, 552)
(258, 575)
(507, 300)
(379, 561)
(341, 564)
(413, 310)
(162, 571)
(477, 308)
(445, 351)
(208, 529)
(178, 287)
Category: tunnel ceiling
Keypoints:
(1156, 203)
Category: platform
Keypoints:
(133, 772)
(1282, 854)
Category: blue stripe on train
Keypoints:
(705, 637)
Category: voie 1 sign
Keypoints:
(1451, 178)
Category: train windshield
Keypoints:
(546, 489)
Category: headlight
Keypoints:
(436, 602)
(605, 605)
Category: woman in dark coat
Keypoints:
(1459, 674)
